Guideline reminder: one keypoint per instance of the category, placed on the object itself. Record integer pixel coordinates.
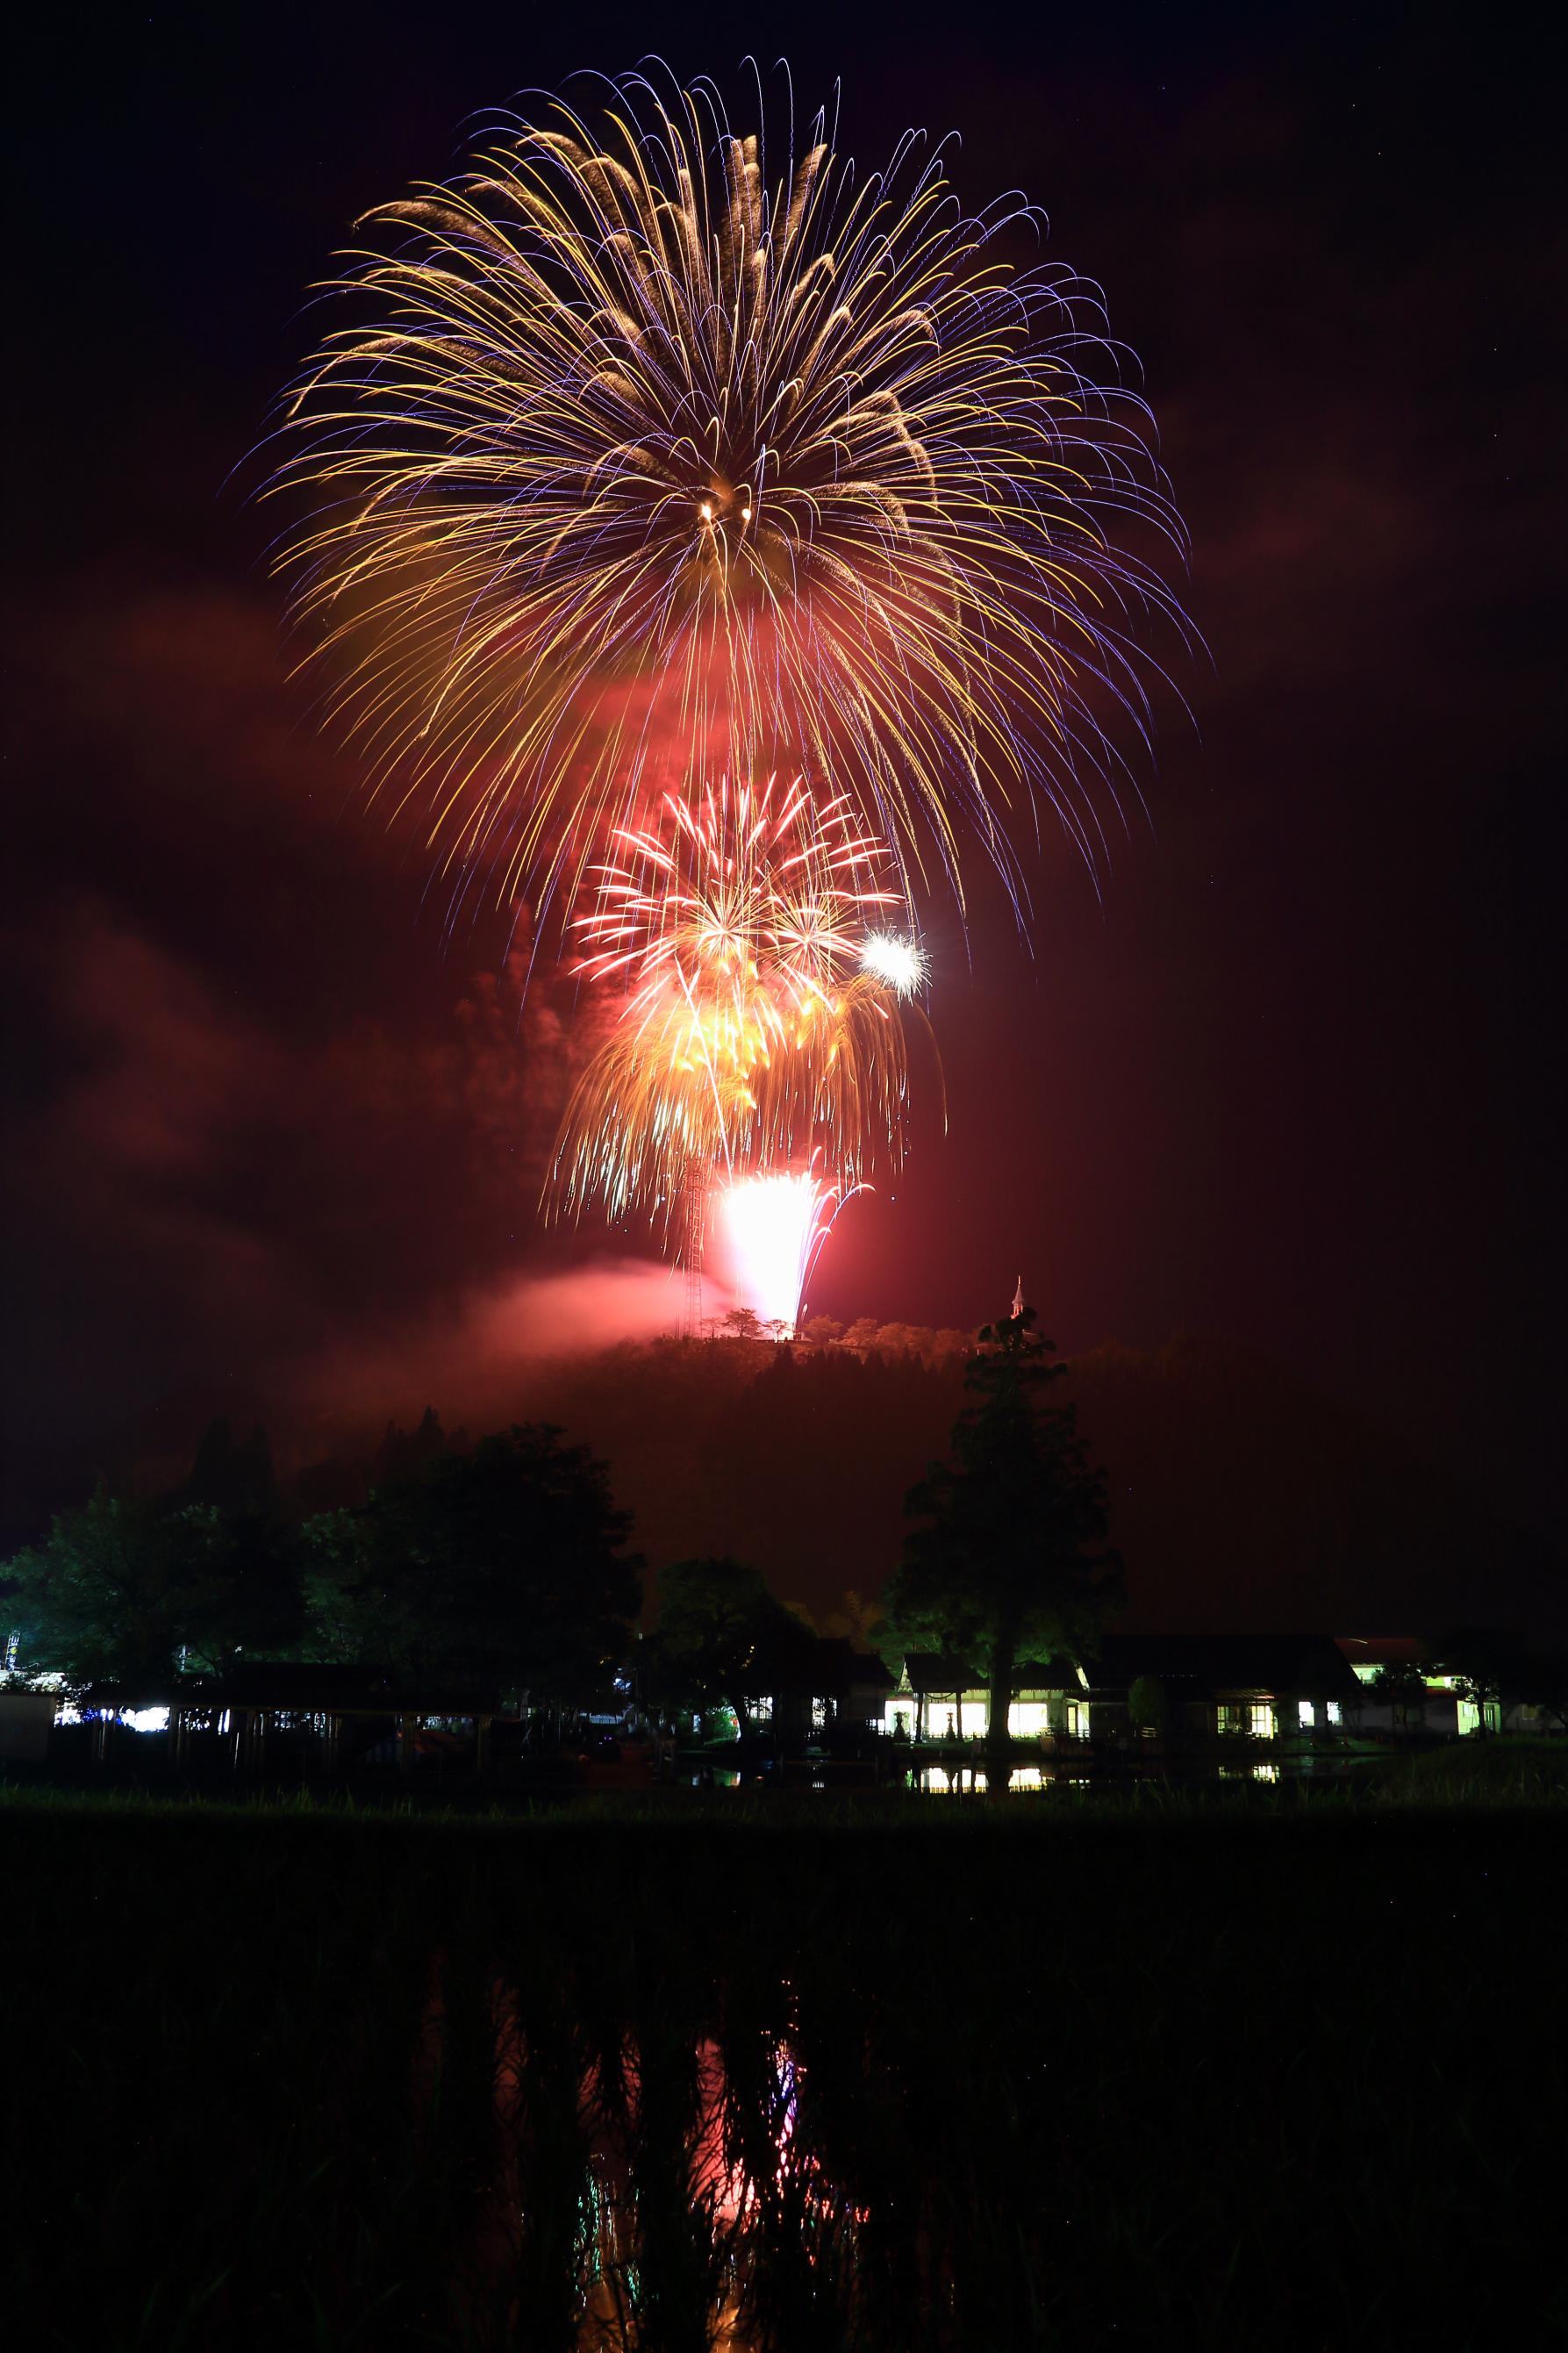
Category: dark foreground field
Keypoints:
(1248, 2073)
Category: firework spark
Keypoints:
(752, 1032)
(647, 448)
(897, 960)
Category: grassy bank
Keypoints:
(1220, 2071)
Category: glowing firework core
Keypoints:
(772, 1228)
(897, 961)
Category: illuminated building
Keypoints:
(1250, 1686)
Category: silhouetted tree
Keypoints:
(1480, 1659)
(232, 1476)
(1541, 1680)
(855, 1619)
(126, 1591)
(1011, 1565)
(406, 1454)
(236, 1478)
(507, 1562)
(329, 1485)
(1147, 1707)
(903, 1339)
(1399, 1684)
(714, 1617)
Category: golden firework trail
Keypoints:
(648, 448)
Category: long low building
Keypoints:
(1425, 1699)
(1265, 1686)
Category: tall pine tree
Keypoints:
(1011, 1565)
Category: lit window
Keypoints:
(820, 1711)
(1333, 1710)
(1305, 1713)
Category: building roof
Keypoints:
(816, 1666)
(1207, 1666)
(932, 1671)
(1192, 1666)
(1381, 1649)
(935, 1673)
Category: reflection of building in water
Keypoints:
(1138, 1687)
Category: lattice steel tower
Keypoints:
(692, 1244)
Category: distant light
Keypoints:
(897, 961)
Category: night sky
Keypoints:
(1289, 1072)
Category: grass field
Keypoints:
(1240, 2071)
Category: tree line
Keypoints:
(509, 1561)
(506, 1560)
(510, 1558)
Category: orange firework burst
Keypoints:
(750, 1031)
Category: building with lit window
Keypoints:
(940, 1698)
(801, 1687)
(1193, 1686)
(1429, 1706)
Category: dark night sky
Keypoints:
(1292, 1076)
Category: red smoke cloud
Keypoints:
(273, 1128)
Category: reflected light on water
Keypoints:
(973, 1780)
(694, 2196)
(734, 2204)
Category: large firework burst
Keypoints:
(754, 1030)
(646, 448)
